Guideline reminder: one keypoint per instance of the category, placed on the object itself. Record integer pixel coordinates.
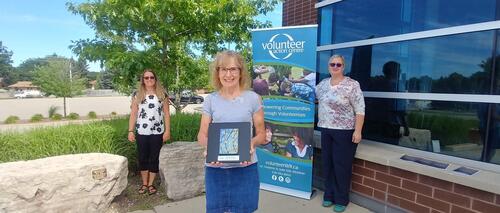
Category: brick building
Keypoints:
(440, 108)
(299, 12)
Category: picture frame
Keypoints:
(229, 142)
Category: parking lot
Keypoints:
(25, 108)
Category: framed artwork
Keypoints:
(229, 142)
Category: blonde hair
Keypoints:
(141, 88)
(220, 60)
(337, 56)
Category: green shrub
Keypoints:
(73, 116)
(52, 111)
(92, 115)
(113, 114)
(184, 126)
(56, 117)
(70, 139)
(449, 129)
(36, 118)
(108, 136)
(11, 119)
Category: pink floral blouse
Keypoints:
(339, 104)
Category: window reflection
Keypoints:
(360, 19)
(434, 65)
(490, 132)
(451, 128)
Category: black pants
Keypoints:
(337, 155)
(148, 147)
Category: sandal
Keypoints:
(143, 189)
(152, 189)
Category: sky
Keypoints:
(35, 28)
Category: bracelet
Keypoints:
(131, 131)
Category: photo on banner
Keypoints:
(284, 75)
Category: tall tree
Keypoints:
(55, 78)
(105, 80)
(6, 66)
(161, 34)
(25, 70)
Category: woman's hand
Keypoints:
(166, 136)
(216, 163)
(131, 136)
(356, 137)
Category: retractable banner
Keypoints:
(284, 74)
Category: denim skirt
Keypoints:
(234, 190)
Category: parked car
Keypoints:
(188, 96)
(28, 94)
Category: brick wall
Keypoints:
(299, 12)
(419, 193)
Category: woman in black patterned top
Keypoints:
(149, 123)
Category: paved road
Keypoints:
(25, 108)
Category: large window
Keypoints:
(444, 64)
(397, 74)
(452, 128)
(351, 20)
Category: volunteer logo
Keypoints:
(282, 46)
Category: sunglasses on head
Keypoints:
(335, 64)
(149, 77)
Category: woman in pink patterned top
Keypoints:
(341, 111)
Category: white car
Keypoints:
(28, 94)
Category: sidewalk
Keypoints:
(269, 202)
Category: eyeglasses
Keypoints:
(148, 77)
(335, 64)
(224, 70)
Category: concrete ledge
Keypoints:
(390, 155)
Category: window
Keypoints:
(352, 20)
(444, 64)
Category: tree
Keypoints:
(56, 79)
(161, 34)
(105, 80)
(6, 66)
(25, 71)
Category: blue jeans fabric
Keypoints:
(337, 155)
(234, 190)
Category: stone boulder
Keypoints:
(182, 169)
(417, 139)
(67, 183)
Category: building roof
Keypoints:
(23, 84)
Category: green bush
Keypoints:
(52, 111)
(113, 114)
(73, 116)
(92, 115)
(184, 126)
(108, 136)
(56, 117)
(36, 118)
(70, 139)
(449, 129)
(11, 119)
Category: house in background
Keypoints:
(25, 89)
(92, 84)
(23, 86)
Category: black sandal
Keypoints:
(143, 189)
(152, 190)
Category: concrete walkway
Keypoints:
(269, 202)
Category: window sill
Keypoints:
(389, 155)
